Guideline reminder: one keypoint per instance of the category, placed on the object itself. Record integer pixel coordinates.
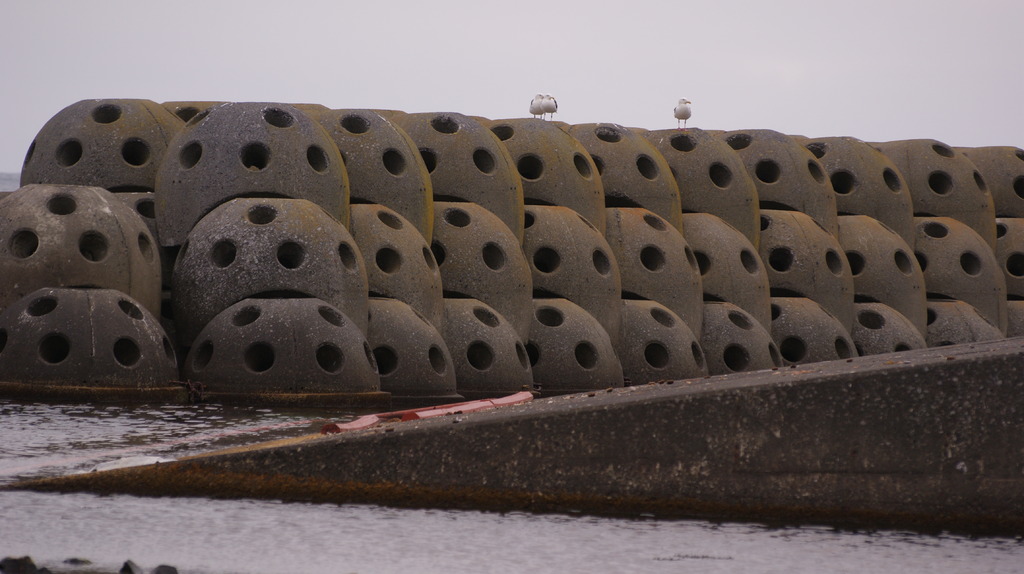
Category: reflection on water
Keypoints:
(214, 536)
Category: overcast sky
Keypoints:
(873, 69)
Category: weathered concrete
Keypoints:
(928, 438)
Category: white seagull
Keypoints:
(682, 111)
(549, 105)
(537, 105)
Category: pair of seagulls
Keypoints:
(546, 104)
(543, 104)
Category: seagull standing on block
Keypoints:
(682, 111)
(537, 106)
(549, 105)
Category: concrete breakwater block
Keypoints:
(102, 338)
(382, 163)
(75, 236)
(883, 266)
(943, 182)
(803, 260)
(959, 265)
(413, 360)
(399, 263)
(711, 177)
(489, 358)
(261, 247)
(246, 149)
(919, 439)
(481, 258)
(787, 176)
(116, 144)
(866, 182)
(655, 262)
(467, 162)
(633, 172)
(730, 268)
(299, 350)
(554, 167)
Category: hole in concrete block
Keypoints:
(394, 162)
(662, 317)
(42, 306)
(484, 161)
(793, 349)
(190, 155)
(317, 158)
(127, 352)
(54, 348)
(940, 182)
(970, 263)
(892, 180)
(445, 124)
(856, 262)
(530, 167)
(602, 264)
(843, 350)
(607, 134)
(355, 124)
(546, 260)
(834, 262)
(330, 358)
(387, 360)
(738, 141)
(767, 171)
(582, 166)
(436, 357)
(720, 175)
(130, 309)
(278, 118)
(388, 260)
(438, 251)
(682, 142)
(429, 159)
(255, 156)
(246, 315)
(780, 258)
(656, 355)
(135, 152)
(202, 356)
(735, 357)
(586, 355)
(259, 357)
(652, 258)
(69, 153)
(549, 316)
(390, 219)
(480, 355)
(504, 132)
(485, 316)
(456, 217)
(61, 204)
(223, 253)
(93, 246)
(646, 166)
(330, 315)
(871, 319)
(494, 256)
(106, 113)
(740, 320)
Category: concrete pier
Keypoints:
(930, 439)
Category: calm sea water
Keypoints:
(9, 181)
(251, 536)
